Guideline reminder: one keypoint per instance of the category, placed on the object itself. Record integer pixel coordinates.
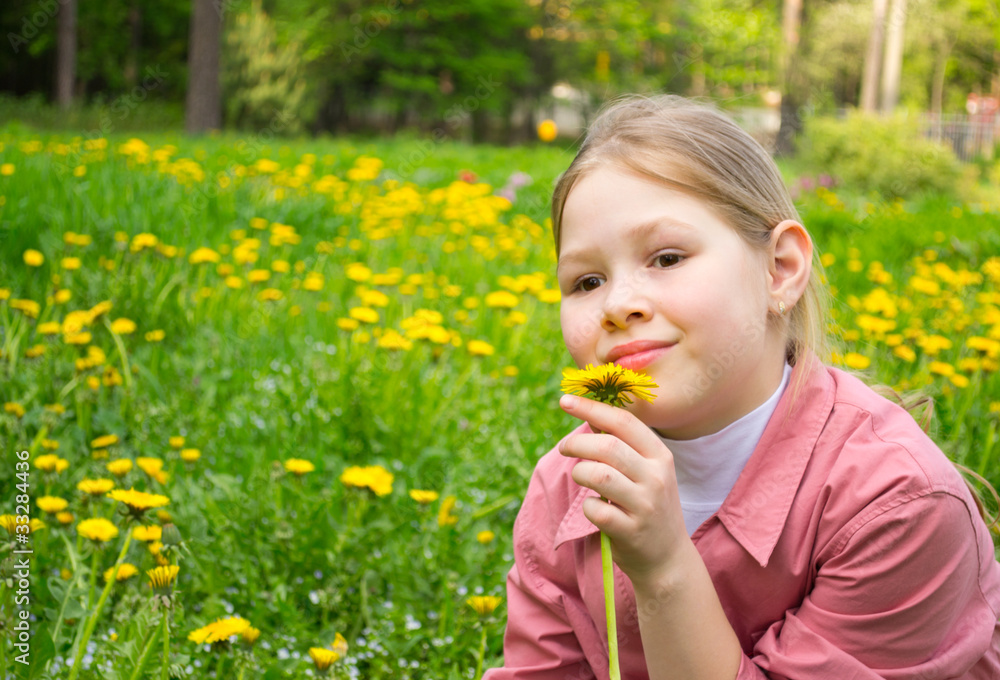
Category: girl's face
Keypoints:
(654, 280)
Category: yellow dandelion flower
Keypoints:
(151, 466)
(33, 258)
(176, 442)
(374, 477)
(125, 572)
(51, 504)
(249, 636)
(905, 353)
(323, 657)
(259, 275)
(348, 324)
(70, 263)
(219, 630)
(423, 497)
(97, 529)
(391, 339)
(161, 578)
(856, 361)
(104, 442)
(480, 348)
(501, 298)
(64, 517)
(608, 383)
(484, 605)
(50, 462)
(95, 487)
(138, 501)
(445, 517)
(299, 466)
(147, 534)
(119, 467)
(14, 409)
(547, 130)
(941, 368)
(364, 314)
(203, 255)
(190, 455)
(485, 537)
(123, 326)
(50, 444)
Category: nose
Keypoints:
(625, 303)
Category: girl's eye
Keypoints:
(667, 260)
(588, 283)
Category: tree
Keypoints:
(873, 57)
(792, 82)
(203, 106)
(893, 66)
(66, 54)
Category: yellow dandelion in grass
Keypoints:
(14, 409)
(374, 477)
(51, 504)
(480, 348)
(501, 298)
(219, 630)
(50, 444)
(162, 578)
(423, 497)
(249, 636)
(484, 605)
(147, 534)
(323, 657)
(608, 383)
(299, 466)
(152, 467)
(64, 517)
(123, 326)
(97, 529)
(33, 258)
(485, 537)
(364, 314)
(104, 442)
(50, 462)
(202, 255)
(138, 502)
(856, 361)
(445, 517)
(190, 455)
(120, 466)
(10, 523)
(176, 442)
(95, 487)
(392, 339)
(348, 324)
(125, 572)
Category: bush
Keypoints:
(885, 155)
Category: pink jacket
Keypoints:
(849, 548)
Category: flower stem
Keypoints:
(164, 671)
(482, 653)
(140, 666)
(92, 621)
(607, 569)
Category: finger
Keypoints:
(616, 421)
(607, 517)
(605, 480)
(607, 449)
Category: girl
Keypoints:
(770, 516)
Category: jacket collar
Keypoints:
(756, 509)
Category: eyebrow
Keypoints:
(641, 230)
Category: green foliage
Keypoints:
(263, 81)
(884, 155)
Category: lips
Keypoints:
(635, 348)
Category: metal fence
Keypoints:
(970, 136)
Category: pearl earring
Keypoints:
(781, 307)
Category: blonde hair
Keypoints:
(694, 148)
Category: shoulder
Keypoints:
(551, 491)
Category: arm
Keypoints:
(910, 591)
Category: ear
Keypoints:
(789, 264)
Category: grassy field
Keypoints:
(216, 311)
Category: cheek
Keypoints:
(578, 332)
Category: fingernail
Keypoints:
(567, 401)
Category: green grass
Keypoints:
(252, 383)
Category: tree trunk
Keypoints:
(203, 107)
(791, 79)
(893, 66)
(937, 88)
(131, 70)
(873, 57)
(66, 54)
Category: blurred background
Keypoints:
(491, 70)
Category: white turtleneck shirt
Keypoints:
(707, 467)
